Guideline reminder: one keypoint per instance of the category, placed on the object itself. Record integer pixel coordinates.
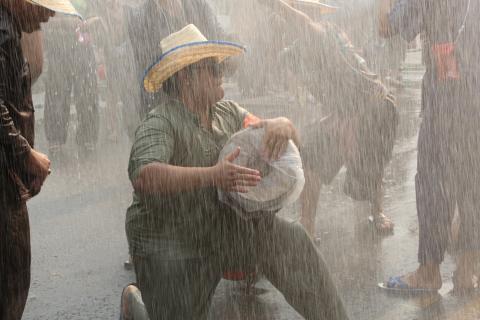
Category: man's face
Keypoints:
(30, 16)
(207, 79)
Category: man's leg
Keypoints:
(14, 260)
(435, 195)
(309, 200)
(290, 261)
(176, 289)
(57, 97)
(323, 157)
(370, 141)
(467, 171)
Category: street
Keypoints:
(79, 243)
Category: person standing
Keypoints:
(120, 66)
(448, 170)
(72, 67)
(22, 169)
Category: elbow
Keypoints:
(140, 183)
(150, 180)
(137, 185)
(37, 70)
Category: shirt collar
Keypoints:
(212, 110)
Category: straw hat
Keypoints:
(61, 6)
(309, 5)
(183, 48)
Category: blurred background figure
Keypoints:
(71, 70)
(359, 20)
(257, 27)
(150, 22)
(350, 117)
(122, 80)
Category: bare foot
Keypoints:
(464, 279)
(382, 223)
(425, 277)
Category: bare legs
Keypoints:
(382, 223)
(311, 194)
(309, 200)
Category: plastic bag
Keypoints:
(282, 180)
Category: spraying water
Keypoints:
(384, 104)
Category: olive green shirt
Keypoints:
(179, 226)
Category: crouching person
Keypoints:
(180, 235)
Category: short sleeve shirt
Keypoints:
(177, 226)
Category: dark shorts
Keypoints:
(325, 148)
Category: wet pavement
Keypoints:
(79, 245)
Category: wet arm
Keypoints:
(161, 178)
(298, 22)
(32, 46)
(151, 172)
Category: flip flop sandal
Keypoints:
(397, 285)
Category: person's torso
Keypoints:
(187, 216)
(456, 23)
(15, 91)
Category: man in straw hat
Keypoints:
(22, 169)
(180, 235)
(69, 84)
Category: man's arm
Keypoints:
(9, 135)
(161, 178)
(297, 21)
(12, 143)
(151, 173)
(32, 47)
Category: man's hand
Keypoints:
(278, 132)
(231, 177)
(37, 165)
